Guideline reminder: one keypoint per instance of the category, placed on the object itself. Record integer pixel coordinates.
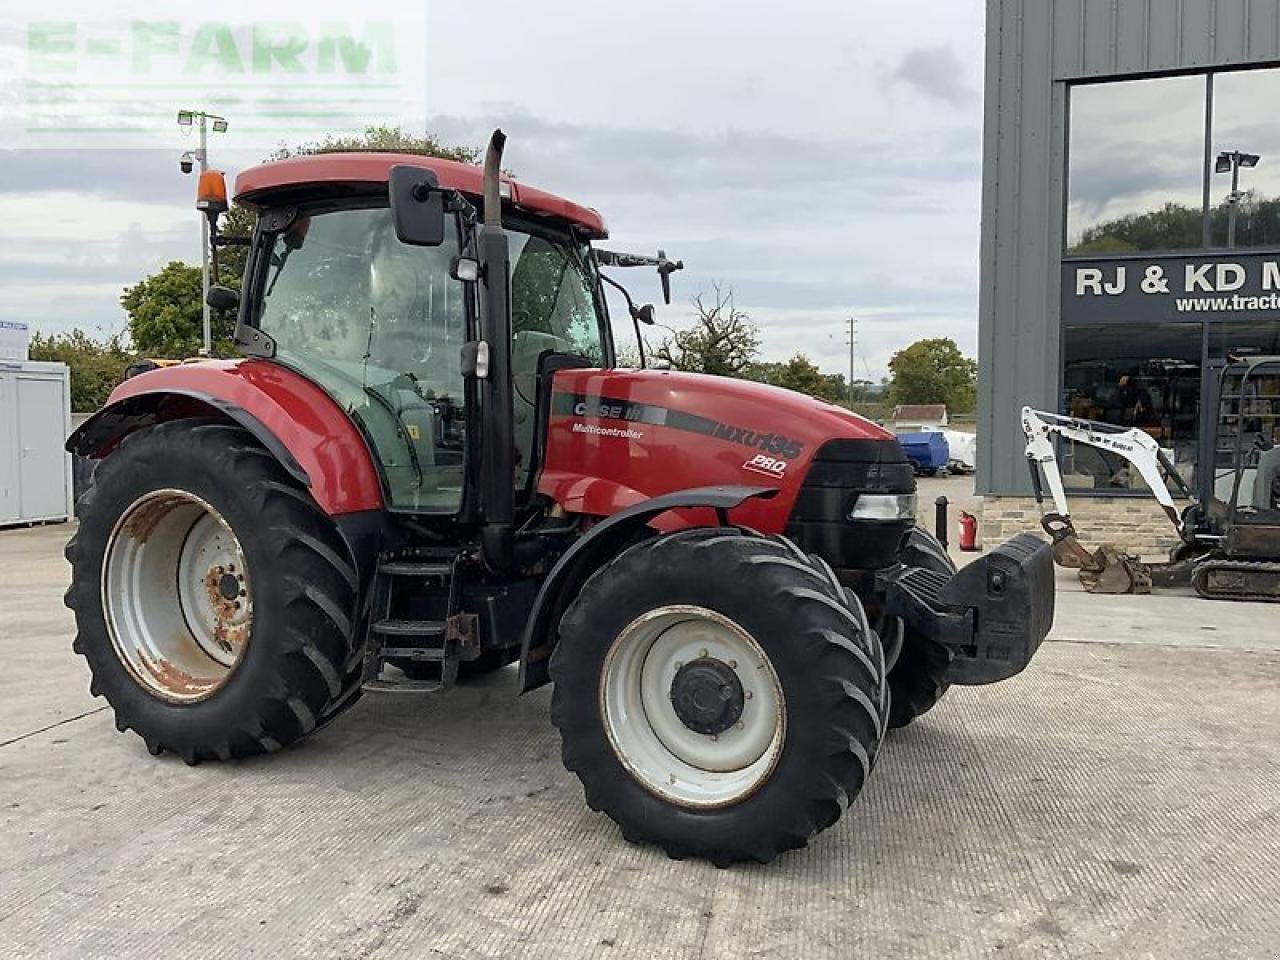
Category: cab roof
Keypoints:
(357, 169)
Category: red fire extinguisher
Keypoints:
(968, 532)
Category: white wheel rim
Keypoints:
(649, 738)
(176, 595)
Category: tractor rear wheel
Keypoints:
(716, 695)
(214, 600)
(917, 679)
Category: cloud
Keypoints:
(677, 162)
(936, 72)
(761, 150)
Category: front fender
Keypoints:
(295, 420)
(602, 542)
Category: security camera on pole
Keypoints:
(188, 118)
(1230, 161)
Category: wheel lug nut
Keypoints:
(748, 694)
(702, 652)
(740, 724)
(733, 664)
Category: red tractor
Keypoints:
(428, 466)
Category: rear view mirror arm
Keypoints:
(631, 309)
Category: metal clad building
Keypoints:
(1083, 96)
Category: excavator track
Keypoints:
(1237, 580)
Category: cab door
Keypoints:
(380, 325)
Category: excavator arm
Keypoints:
(1105, 570)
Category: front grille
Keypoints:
(840, 471)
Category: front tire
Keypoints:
(918, 678)
(214, 600)
(717, 696)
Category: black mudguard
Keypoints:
(603, 542)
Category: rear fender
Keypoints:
(294, 420)
(597, 547)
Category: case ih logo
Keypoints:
(607, 408)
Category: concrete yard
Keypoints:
(1120, 799)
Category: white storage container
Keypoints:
(35, 418)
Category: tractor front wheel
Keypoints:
(214, 600)
(716, 695)
(918, 677)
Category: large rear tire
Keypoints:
(214, 600)
(717, 696)
(917, 680)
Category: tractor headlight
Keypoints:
(884, 506)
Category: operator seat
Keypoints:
(1266, 482)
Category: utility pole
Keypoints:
(853, 347)
(187, 118)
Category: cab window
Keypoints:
(380, 326)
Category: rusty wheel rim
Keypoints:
(176, 595)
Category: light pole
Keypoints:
(1230, 161)
(187, 118)
(853, 346)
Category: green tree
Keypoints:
(722, 341)
(165, 316)
(165, 309)
(803, 376)
(96, 365)
(934, 371)
(1177, 226)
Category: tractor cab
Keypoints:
(340, 290)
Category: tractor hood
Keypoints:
(617, 437)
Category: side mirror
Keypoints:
(665, 269)
(223, 298)
(645, 314)
(417, 206)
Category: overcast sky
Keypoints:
(822, 159)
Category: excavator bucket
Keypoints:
(1111, 571)
(1105, 570)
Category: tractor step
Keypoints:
(410, 646)
(402, 686)
(409, 628)
(431, 654)
(416, 568)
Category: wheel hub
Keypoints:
(176, 595)
(692, 706)
(707, 696)
(229, 586)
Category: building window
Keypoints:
(1136, 166)
(1246, 150)
(1132, 375)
